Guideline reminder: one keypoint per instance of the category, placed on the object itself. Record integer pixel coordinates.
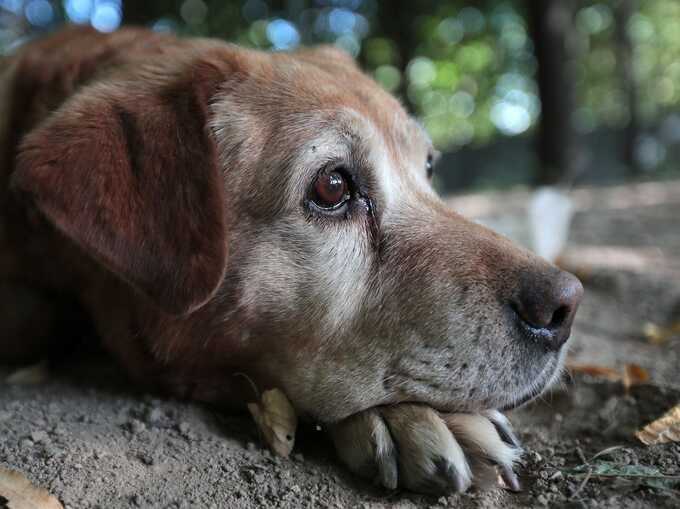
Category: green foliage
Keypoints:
(467, 69)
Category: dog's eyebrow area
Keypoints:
(344, 139)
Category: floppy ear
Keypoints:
(129, 172)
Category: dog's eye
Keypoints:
(330, 190)
(429, 166)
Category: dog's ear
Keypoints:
(129, 172)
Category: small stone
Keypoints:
(154, 415)
(136, 426)
(26, 443)
(51, 451)
(40, 436)
(146, 459)
(299, 457)
(5, 415)
(251, 446)
(542, 500)
(295, 489)
(184, 428)
(556, 476)
(99, 454)
(58, 430)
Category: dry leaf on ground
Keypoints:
(596, 371)
(277, 420)
(17, 492)
(663, 430)
(632, 374)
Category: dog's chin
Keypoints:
(550, 373)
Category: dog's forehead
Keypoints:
(338, 85)
(295, 114)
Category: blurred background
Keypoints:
(512, 92)
(559, 124)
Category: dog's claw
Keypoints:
(453, 479)
(413, 447)
(510, 479)
(503, 427)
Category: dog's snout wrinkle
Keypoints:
(546, 307)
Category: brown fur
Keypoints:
(163, 185)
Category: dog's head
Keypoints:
(286, 200)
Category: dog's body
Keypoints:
(215, 210)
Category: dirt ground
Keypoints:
(91, 440)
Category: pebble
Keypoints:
(136, 426)
(556, 476)
(299, 457)
(39, 436)
(146, 459)
(154, 415)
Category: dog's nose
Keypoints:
(548, 307)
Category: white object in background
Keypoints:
(550, 212)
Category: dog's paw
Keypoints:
(414, 447)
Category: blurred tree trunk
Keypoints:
(551, 23)
(624, 56)
(399, 27)
(143, 13)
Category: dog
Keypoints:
(214, 210)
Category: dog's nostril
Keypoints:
(549, 304)
(559, 317)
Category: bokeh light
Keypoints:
(467, 70)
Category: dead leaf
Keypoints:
(663, 430)
(596, 371)
(631, 375)
(277, 420)
(18, 493)
(634, 375)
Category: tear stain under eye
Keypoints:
(373, 229)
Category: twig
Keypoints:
(608, 451)
(581, 456)
(582, 485)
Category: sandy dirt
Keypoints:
(91, 440)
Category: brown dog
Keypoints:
(215, 210)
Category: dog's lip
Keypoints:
(545, 377)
